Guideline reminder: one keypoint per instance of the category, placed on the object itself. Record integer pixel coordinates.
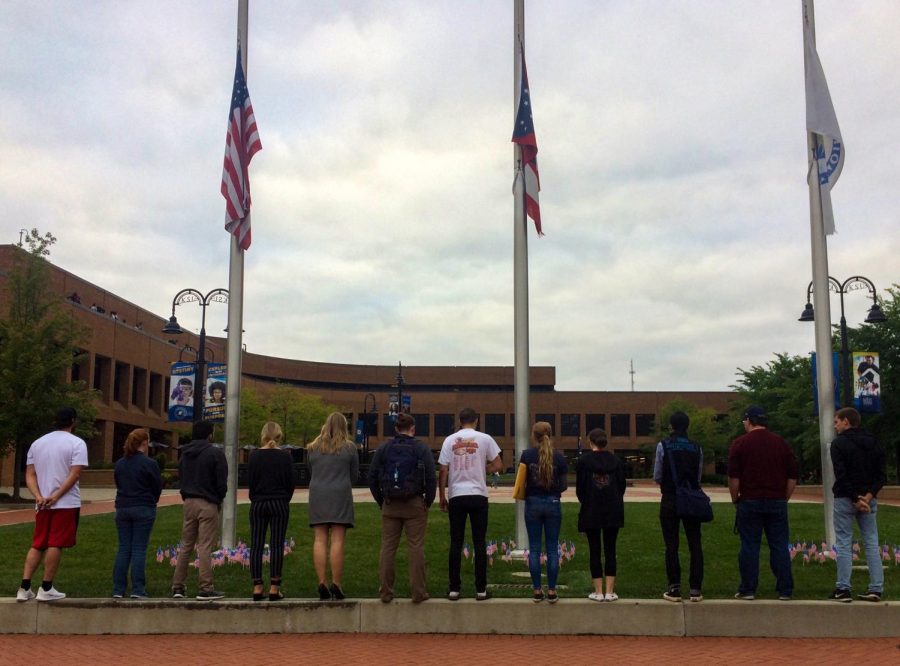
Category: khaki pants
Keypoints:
(396, 515)
(201, 530)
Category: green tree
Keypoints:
(783, 387)
(253, 416)
(884, 338)
(39, 341)
(300, 415)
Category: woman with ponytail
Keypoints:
(545, 470)
(138, 487)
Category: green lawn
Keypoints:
(86, 569)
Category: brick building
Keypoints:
(127, 360)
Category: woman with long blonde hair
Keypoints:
(333, 468)
(545, 470)
(271, 481)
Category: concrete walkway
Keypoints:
(101, 500)
(446, 650)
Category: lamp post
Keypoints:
(399, 387)
(366, 421)
(875, 316)
(173, 328)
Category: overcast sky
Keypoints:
(672, 158)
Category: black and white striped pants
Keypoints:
(264, 514)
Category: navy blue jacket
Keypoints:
(138, 481)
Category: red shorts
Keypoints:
(55, 528)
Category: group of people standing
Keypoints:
(334, 466)
(404, 482)
(762, 476)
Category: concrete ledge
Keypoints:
(793, 619)
(523, 616)
(796, 619)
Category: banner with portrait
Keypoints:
(181, 391)
(867, 377)
(216, 385)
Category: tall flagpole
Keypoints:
(822, 306)
(235, 337)
(520, 280)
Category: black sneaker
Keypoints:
(745, 596)
(841, 595)
(178, 591)
(210, 595)
(673, 593)
(869, 596)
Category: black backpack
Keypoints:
(402, 473)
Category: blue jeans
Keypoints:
(753, 518)
(844, 514)
(543, 513)
(134, 524)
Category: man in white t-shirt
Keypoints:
(54, 464)
(467, 456)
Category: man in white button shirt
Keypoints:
(54, 464)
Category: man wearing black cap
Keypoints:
(762, 475)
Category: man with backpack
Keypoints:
(402, 481)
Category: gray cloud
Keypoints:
(672, 163)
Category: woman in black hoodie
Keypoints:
(600, 485)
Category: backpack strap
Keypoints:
(667, 449)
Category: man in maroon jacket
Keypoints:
(762, 475)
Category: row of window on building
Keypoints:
(124, 384)
(502, 425)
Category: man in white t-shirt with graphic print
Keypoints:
(54, 466)
(467, 457)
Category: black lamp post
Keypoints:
(172, 328)
(399, 387)
(875, 316)
(366, 411)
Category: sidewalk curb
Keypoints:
(723, 618)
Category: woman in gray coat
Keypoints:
(333, 467)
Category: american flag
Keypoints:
(241, 144)
(523, 134)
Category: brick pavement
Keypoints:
(423, 650)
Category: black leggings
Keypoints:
(263, 513)
(609, 535)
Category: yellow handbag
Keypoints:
(521, 480)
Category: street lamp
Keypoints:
(173, 328)
(399, 387)
(875, 316)
(191, 350)
(366, 411)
